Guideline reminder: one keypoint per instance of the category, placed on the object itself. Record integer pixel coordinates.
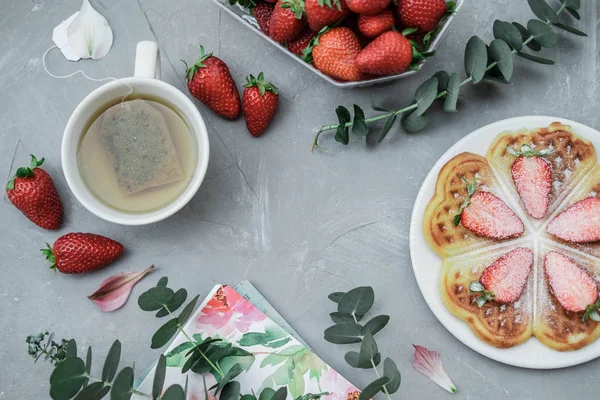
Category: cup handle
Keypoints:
(147, 60)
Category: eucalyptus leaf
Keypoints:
(178, 299)
(502, 54)
(155, 298)
(357, 301)
(509, 33)
(164, 334)
(376, 324)
(121, 387)
(67, 378)
(341, 318)
(574, 13)
(342, 131)
(71, 350)
(539, 60)
(368, 349)
(344, 333)
(475, 59)
(373, 388)
(542, 33)
(248, 397)
(390, 370)
(162, 281)
(266, 394)
(174, 392)
(336, 296)
(353, 359)
(389, 123)
(414, 123)
(88, 364)
(572, 4)
(453, 90)
(525, 34)
(112, 362)
(94, 391)
(228, 377)
(188, 310)
(570, 29)
(280, 394)
(231, 391)
(159, 376)
(425, 95)
(442, 77)
(359, 126)
(542, 10)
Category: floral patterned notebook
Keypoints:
(270, 356)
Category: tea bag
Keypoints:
(138, 140)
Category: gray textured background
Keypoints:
(298, 225)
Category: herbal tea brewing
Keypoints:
(137, 156)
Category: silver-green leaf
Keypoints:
(475, 59)
(386, 128)
(542, 33)
(357, 301)
(502, 54)
(509, 33)
(376, 324)
(159, 376)
(344, 333)
(94, 391)
(453, 89)
(359, 126)
(67, 379)
(539, 60)
(373, 388)
(413, 122)
(155, 298)
(390, 370)
(425, 95)
(174, 392)
(164, 334)
(542, 10)
(368, 349)
(121, 387)
(112, 362)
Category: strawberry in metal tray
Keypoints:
(334, 53)
(504, 280)
(322, 13)
(288, 21)
(263, 12)
(390, 53)
(372, 26)
(368, 7)
(421, 14)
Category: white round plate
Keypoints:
(426, 264)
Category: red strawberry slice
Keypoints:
(574, 289)
(533, 179)
(580, 223)
(487, 215)
(506, 277)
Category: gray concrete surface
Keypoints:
(298, 225)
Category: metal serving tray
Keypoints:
(242, 15)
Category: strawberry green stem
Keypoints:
(25, 172)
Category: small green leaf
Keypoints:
(187, 311)
(231, 391)
(155, 298)
(88, 364)
(539, 60)
(266, 394)
(359, 126)
(442, 77)
(357, 301)
(368, 349)
(344, 333)
(386, 128)
(409, 31)
(341, 318)
(414, 123)
(159, 376)
(390, 371)
(336, 296)
(94, 391)
(475, 287)
(71, 350)
(178, 299)
(174, 392)
(502, 54)
(164, 334)
(121, 387)
(572, 4)
(457, 220)
(542, 10)
(509, 33)
(112, 362)
(373, 388)
(353, 359)
(453, 89)
(67, 378)
(542, 33)
(376, 324)
(341, 134)
(570, 29)
(525, 34)
(228, 377)
(574, 13)
(162, 281)
(475, 59)
(425, 95)
(594, 316)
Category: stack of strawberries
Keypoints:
(351, 40)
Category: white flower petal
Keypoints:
(429, 363)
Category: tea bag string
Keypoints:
(110, 78)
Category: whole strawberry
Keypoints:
(210, 81)
(322, 13)
(32, 191)
(259, 103)
(367, 7)
(334, 54)
(372, 26)
(76, 253)
(391, 53)
(421, 14)
(263, 12)
(287, 22)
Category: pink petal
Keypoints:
(115, 290)
(429, 363)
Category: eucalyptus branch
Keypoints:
(352, 307)
(510, 40)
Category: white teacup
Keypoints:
(145, 82)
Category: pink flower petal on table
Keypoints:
(429, 363)
(115, 291)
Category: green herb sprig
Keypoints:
(493, 62)
(352, 307)
(43, 344)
